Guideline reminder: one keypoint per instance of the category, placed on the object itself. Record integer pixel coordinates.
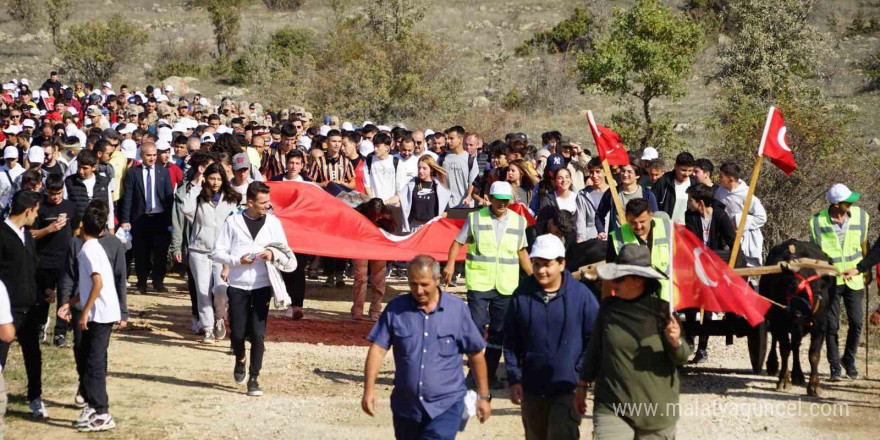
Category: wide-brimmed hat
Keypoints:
(634, 260)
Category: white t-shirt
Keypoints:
(681, 201)
(93, 259)
(382, 178)
(569, 204)
(410, 167)
(5, 308)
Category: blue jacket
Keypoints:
(545, 343)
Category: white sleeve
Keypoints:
(111, 216)
(190, 202)
(757, 217)
(221, 254)
(5, 308)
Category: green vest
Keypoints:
(491, 265)
(847, 256)
(661, 249)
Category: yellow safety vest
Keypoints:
(661, 249)
(492, 265)
(849, 255)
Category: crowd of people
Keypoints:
(99, 180)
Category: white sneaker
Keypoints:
(38, 409)
(209, 338)
(99, 422)
(79, 400)
(220, 329)
(197, 326)
(289, 313)
(84, 417)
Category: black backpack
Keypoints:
(370, 162)
(471, 159)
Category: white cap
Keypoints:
(129, 148)
(305, 142)
(28, 123)
(44, 94)
(384, 128)
(9, 86)
(127, 128)
(25, 82)
(169, 88)
(13, 129)
(366, 147)
(324, 130)
(107, 85)
(87, 122)
(347, 126)
(840, 193)
(10, 152)
(203, 101)
(161, 97)
(428, 132)
(208, 138)
(501, 190)
(366, 123)
(650, 153)
(162, 145)
(36, 155)
(548, 247)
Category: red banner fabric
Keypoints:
(608, 143)
(775, 142)
(704, 280)
(316, 223)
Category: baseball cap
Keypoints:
(650, 153)
(555, 162)
(28, 123)
(36, 155)
(324, 130)
(129, 148)
(366, 147)
(501, 190)
(162, 145)
(127, 128)
(548, 247)
(10, 152)
(839, 193)
(240, 161)
(107, 85)
(347, 126)
(169, 88)
(208, 138)
(13, 129)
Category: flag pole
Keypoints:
(756, 171)
(612, 184)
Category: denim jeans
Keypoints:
(442, 427)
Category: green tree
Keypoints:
(394, 19)
(95, 50)
(27, 13)
(574, 32)
(287, 45)
(647, 55)
(58, 12)
(226, 18)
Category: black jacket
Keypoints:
(664, 191)
(18, 268)
(67, 284)
(870, 260)
(133, 203)
(79, 195)
(721, 231)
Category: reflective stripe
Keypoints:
(863, 224)
(488, 259)
(661, 241)
(475, 224)
(484, 227)
(618, 240)
(847, 259)
(825, 230)
(817, 231)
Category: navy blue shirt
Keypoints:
(427, 351)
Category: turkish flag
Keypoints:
(608, 143)
(774, 144)
(702, 279)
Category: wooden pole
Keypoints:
(867, 325)
(745, 213)
(612, 185)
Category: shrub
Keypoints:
(166, 68)
(574, 32)
(28, 13)
(287, 45)
(58, 12)
(860, 26)
(188, 59)
(226, 18)
(95, 50)
(284, 5)
(871, 65)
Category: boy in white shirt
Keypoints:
(99, 301)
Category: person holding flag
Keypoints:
(647, 229)
(841, 231)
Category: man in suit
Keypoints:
(145, 208)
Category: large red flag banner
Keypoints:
(704, 280)
(316, 223)
(608, 143)
(774, 143)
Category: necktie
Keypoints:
(149, 189)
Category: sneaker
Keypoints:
(197, 326)
(38, 409)
(298, 313)
(220, 329)
(239, 374)
(209, 338)
(59, 341)
(852, 372)
(79, 400)
(329, 282)
(99, 422)
(160, 288)
(313, 275)
(254, 387)
(700, 357)
(453, 282)
(142, 289)
(400, 274)
(835, 375)
(288, 314)
(84, 417)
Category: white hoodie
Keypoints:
(753, 240)
(235, 241)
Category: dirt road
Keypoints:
(163, 384)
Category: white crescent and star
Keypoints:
(781, 139)
(701, 272)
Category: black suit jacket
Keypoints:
(18, 267)
(133, 203)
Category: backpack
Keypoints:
(370, 162)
